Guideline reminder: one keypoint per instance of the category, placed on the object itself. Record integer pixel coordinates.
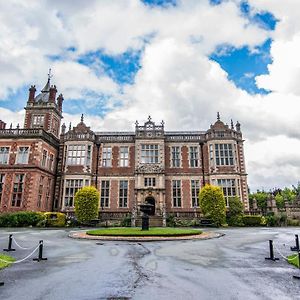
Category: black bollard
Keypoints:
(1, 283)
(296, 248)
(9, 244)
(272, 257)
(296, 276)
(40, 253)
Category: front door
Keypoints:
(151, 200)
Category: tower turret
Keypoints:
(42, 111)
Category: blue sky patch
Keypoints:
(263, 19)
(162, 3)
(16, 100)
(243, 65)
(121, 68)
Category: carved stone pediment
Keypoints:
(149, 169)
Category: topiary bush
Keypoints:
(87, 204)
(256, 220)
(55, 219)
(20, 219)
(212, 203)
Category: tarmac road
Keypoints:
(230, 267)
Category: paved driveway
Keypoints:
(231, 267)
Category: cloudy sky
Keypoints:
(181, 61)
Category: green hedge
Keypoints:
(20, 219)
(256, 220)
(55, 219)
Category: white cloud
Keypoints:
(176, 82)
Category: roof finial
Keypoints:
(232, 126)
(49, 74)
(70, 126)
(136, 123)
(81, 119)
(149, 118)
(218, 116)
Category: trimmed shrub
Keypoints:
(293, 222)
(126, 221)
(20, 219)
(171, 221)
(279, 219)
(256, 220)
(87, 204)
(212, 204)
(55, 219)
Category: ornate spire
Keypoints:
(47, 86)
(231, 122)
(70, 126)
(149, 118)
(81, 119)
(63, 128)
(218, 116)
(49, 74)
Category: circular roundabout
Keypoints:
(136, 234)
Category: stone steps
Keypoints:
(154, 221)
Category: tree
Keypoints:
(279, 201)
(212, 203)
(235, 212)
(261, 199)
(87, 204)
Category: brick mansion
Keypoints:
(43, 164)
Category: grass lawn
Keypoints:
(155, 231)
(7, 258)
(294, 260)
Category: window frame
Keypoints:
(176, 193)
(105, 193)
(224, 154)
(124, 157)
(123, 193)
(194, 157)
(106, 157)
(4, 155)
(76, 155)
(175, 157)
(149, 154)
(71, 190)
(2, 183)
(19, 155)
(195, 189)
(17, 196)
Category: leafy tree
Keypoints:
(87, 204)
(235, 212)
(261, 199)
(279, 201)
(212, 204)
(288, 194)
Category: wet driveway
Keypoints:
(230, 267)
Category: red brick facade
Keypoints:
(166, 169)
